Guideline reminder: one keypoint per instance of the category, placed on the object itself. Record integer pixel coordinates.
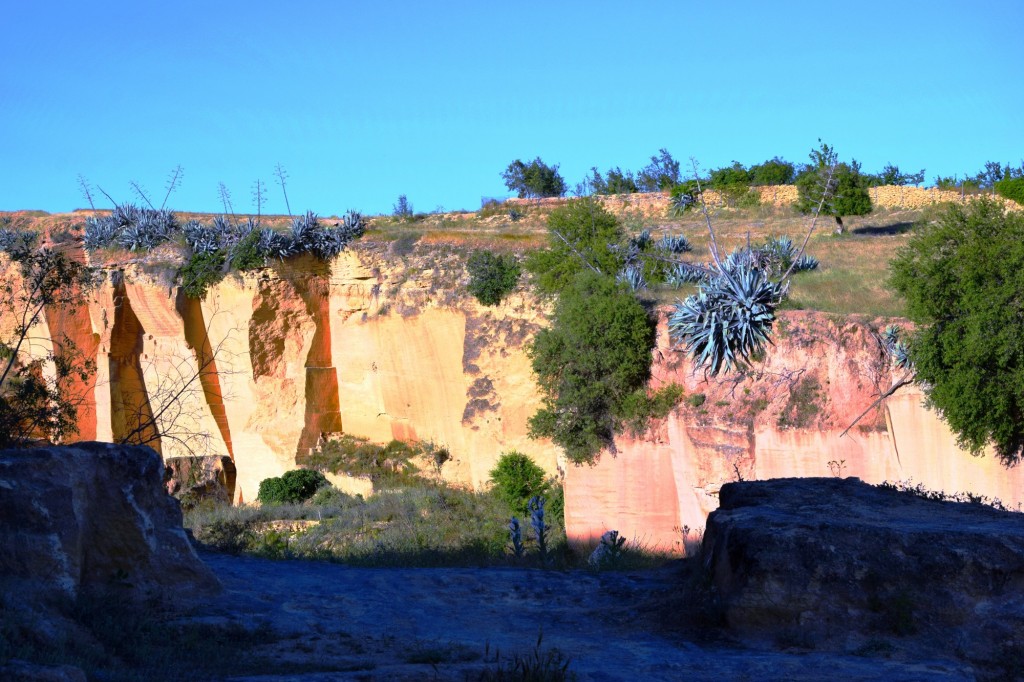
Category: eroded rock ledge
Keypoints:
(836, 564)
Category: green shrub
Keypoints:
(1011, 188)
(591, 231)
(492, 276)
(593, 357)
(516, 479)
(640, 406)
(246, 253)
(848, 188)
(202, 271)
(534, 179)
(772, 172)
(297, 485)
(353, 455)
(961, 278)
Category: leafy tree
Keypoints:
(38, 399)
(963, 277)
(729, 176)
(662, 173)
(1011, 188)
(582, 235)
(492, 276)
(843, 182)
(590, 363)
(293, 486)
(534, 179)
(615, 181)
(516, 479)
(402, 208)
(892, 175)
(772, 172)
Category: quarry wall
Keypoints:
(382, 344)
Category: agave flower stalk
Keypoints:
(515, 534)
(540, 527)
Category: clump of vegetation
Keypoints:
(583, 236)
(1011, 188)
(517, 479)
(38, 397)
(960, 277)
(389, 464)
(842, 184)
(803, 404)
(202, 271)
(297, 485)
(589, 363)
(533, 179)
(492, 276)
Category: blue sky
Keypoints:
(363, 101)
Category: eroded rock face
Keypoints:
(196, 479)
(92, 516)
(839, 564)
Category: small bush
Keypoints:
(246, 254)
(491, 276)
(202, 271)
(297, 485)
(1011, 188)
(517, 479)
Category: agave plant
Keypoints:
(354, 224)
(805, 262)
(685, 273)
(304, 229)
(327, 244)
(674, 244)
(729, 319)
(633, 276)
(682, 202)
(642, 241)
(99, 232)
(896, 348)
(124, 215)
(200, 238)
(275, 245)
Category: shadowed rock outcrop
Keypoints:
(196, 479)
(92, 516)
(840, 565)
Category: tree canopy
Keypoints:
(963, 280)
(533, 179)
(847, 187)
(582, 235)
(592, 365)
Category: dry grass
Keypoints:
(852, 277)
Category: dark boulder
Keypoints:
(93, 516)
(838, 564)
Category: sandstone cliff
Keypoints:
(382, 344)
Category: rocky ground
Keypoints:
(335, 623)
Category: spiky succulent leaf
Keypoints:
(805, 262)
(728, 320)
(674, 243)
(100, 232)
(275, 245)
(633, 276)
(684, 273)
